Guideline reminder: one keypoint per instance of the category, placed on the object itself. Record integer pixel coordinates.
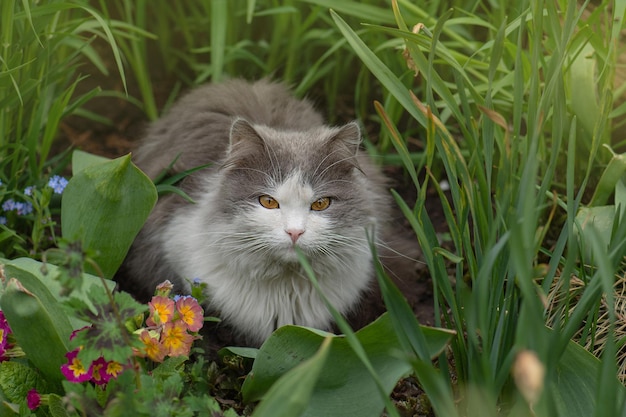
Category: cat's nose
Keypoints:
(294, 234)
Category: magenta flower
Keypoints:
(98, 373)
(33, 399)
(74, 370)
(75, 332)
(102, 371)
(5, 331)
(190, 312)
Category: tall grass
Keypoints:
(42, 48)
(511, 99)
(292, 41)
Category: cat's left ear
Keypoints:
(348, 136)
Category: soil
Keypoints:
(120, 136)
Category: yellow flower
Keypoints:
(114, 369)
(76, 366)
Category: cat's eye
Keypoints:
(268, 202)
(321, 204)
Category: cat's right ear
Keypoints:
(244, 138)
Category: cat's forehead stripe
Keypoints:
(295, 187)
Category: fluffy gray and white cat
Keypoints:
(278, 178)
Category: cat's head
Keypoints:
(286, 188)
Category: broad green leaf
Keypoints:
(43, 339)
(601, 218)
(352, 339)
(7, 408)
(583, 90)
(56, 406)
(81, 160)
(104, 206)
(344, 387)
(612, 174)
(33, 284)
(29, 272)
(291, 394)
(244, 352)
(16, 379)
(575, 389)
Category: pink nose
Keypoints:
(294, 234)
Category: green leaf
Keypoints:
(104, 206)
(417, 342)
(611, 176)
(169, 367)
(30, 273)
(601, 219)
(56, 406)
(244, 352)
(35, 283)
(219, 19)
(82, 160)
(16, 379)
(574, 391)
(107, 336)
(7, 408)
(344, 387)
(584, 90)
(382, 72)
(291, 394)
(37, 331)
(620, 193)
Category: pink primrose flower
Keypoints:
(5, 331)
(175, 339)
(98, 371)
(33, 399)
(161, 310)
(190, 313)
(153, 348)
(164, 289)
(74, 370)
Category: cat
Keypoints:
(278, 178)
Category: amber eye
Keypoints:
(268, 202)
(321, 204)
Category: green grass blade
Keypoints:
(219, 20)
(290, 395)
